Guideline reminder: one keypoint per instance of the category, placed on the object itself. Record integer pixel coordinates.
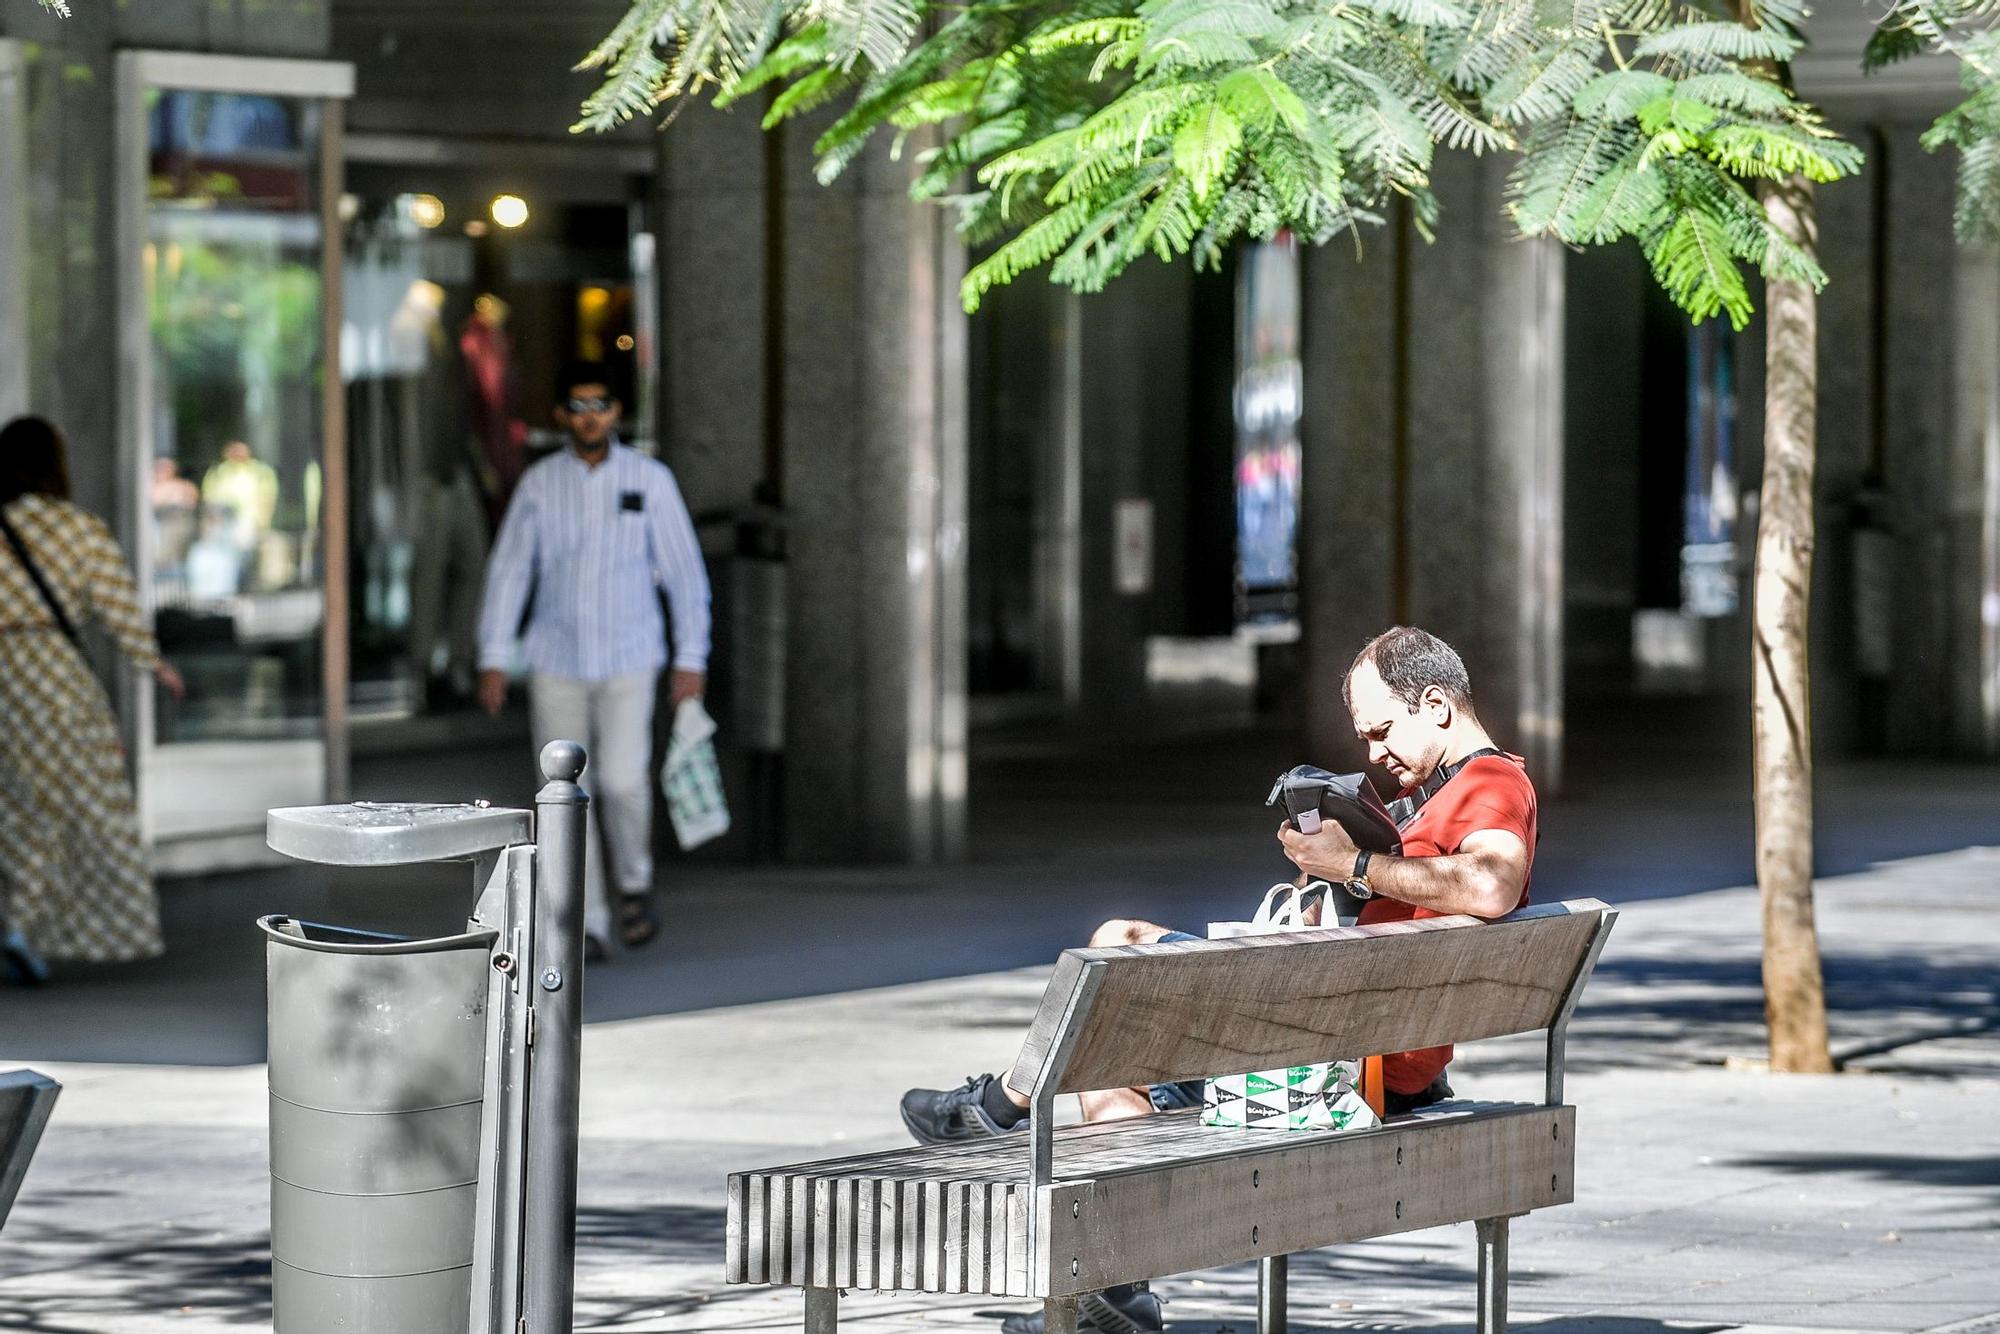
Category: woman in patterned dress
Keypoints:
(73, 876)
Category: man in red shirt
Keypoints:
(1469, 837)
(1467, 819)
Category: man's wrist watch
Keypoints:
(1357, 884)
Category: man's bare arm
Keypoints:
(1485, 879)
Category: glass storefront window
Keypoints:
(1269, 400)
(453, 332)
(232, 248)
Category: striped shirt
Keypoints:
(592, 544)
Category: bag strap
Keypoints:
(41, 584)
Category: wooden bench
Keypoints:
(26, 1099)
(1054, 1214)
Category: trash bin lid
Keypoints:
(394, 833)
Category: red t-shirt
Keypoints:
(1491, 792)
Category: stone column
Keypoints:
(1433, 444)
(714, 304)
(1523, 566)
(1919, 300)
(1353, 434)
(812, 340)
(13, 232)
(1974, 507)
(874, 466)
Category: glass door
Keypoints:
(229, 184)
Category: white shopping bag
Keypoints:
(691, 778)
(1325, 1095)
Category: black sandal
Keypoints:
(637, 924)
(19, 963)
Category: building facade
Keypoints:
(296, 279)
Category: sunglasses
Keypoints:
(577, 405)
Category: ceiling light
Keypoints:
(509, 210)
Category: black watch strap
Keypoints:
(1361, 863)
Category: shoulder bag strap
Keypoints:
(41, 584)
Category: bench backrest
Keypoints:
(26, 1099)
(1150, 1014)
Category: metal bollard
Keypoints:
(548, 1279)
(424, 1093)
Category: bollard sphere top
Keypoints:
(562, 761)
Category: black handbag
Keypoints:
(1347, 798)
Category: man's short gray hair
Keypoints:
(1411, 661)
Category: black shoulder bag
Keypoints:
(41, 584)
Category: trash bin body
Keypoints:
(377, 1074)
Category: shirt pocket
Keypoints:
(628, 534)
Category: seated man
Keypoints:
(1467, 816)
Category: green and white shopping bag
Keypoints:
(1325, 1095)
(692, 780)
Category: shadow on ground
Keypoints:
(1065, 833)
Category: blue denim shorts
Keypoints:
(1187, 1093)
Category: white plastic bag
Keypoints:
(1325, 1095)
(691, 778)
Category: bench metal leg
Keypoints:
(1059, 1315)
(1492, 1275)
(822, 1310)
(1272, 1272)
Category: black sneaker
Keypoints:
(952, 1116)
(19, 963)
(1129, 1308)
(1401, 1104)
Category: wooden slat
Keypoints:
(1305, 1192)
(756, 1228)
(823, 1223)
(996, 1239)
(910, 1246)
(868, 1228)
(851, 1220)
(798, 1207)
(977, 1211)
(735, 1252)
(952, 1238)
(1187, 1010)
(930, 1274)
(1019, 1247)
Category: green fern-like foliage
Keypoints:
(1080, 136)
(1680, 114)
(1964, 29)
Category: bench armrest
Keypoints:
(1559, 1029)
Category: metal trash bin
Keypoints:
(424, 1092)
(378, 1074)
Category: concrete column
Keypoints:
(1059, 562)
(1523, 569)
(1133, 410)
(1920, 298)
(13, 232)
(1433, 444)
(1974, 501)
(1352, 436)
(714, 304)
(874, 464)
(67, 364)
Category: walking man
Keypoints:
(594, 531)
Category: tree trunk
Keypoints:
(1794, 991)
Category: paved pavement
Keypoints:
(787, 1009)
